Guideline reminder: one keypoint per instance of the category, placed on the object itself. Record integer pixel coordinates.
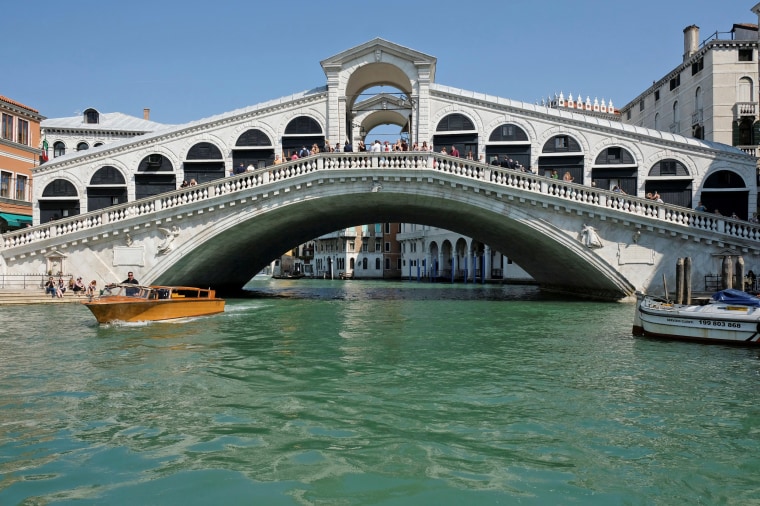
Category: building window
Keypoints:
(22, 135)
(641, 105)
(5, 183)
(91, 117)
(656, 95)
(21, 187)
(387, 228)
(82, 146)
(377, 264)
(7, 127)
(746, 54)
(378, 248)
(59, 149)
(387, 264)
(697, 66)
(675, 82)
(387, 246)
(628, 114)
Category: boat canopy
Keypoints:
(733, 296)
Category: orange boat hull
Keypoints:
(131, 309)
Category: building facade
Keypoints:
(712, 95)
(19, 154)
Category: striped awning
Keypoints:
(16, 220)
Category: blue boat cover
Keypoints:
(732, 296)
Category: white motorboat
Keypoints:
(729, 317)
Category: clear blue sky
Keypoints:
(189, 60)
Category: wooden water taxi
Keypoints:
(135, 303)
(729, 317)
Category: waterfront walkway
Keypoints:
(36, 296)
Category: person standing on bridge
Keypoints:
(454, 151)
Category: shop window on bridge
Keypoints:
(508, 141)
(253, 147)
(725, 191)
(464, 142)
(155, 174)
(302, 131)
(204, 163)
(108, 187)
(60, 199)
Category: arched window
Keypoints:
(107, 175)
(60, 188)
(744, 91)
(668, 167)
(83, 146)
(377, 264)
(455, 122)
(562, 144)
(91, 117)
(676, 126)
(724, 179)
(365, 262)
(657, 121)
(615, 156)
(59, 149)
(508, 132)
(255, 137)
(303, 125)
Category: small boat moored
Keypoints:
(135, 303)
(729, 317)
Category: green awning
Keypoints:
(16, 220)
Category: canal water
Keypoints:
(353, 392)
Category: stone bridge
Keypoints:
(571, 238)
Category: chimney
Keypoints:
(146, 114)
(690, 41)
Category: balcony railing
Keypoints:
(697, 117)
(750, 150)
(745, 109)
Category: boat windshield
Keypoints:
(127, 290)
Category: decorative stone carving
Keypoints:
(589, 237)
(128, 239)
(169, 235)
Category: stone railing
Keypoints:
(467, 169)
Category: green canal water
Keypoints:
(335, 392)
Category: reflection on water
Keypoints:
(360, 392)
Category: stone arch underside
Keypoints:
(375, 74)
(251, 244)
